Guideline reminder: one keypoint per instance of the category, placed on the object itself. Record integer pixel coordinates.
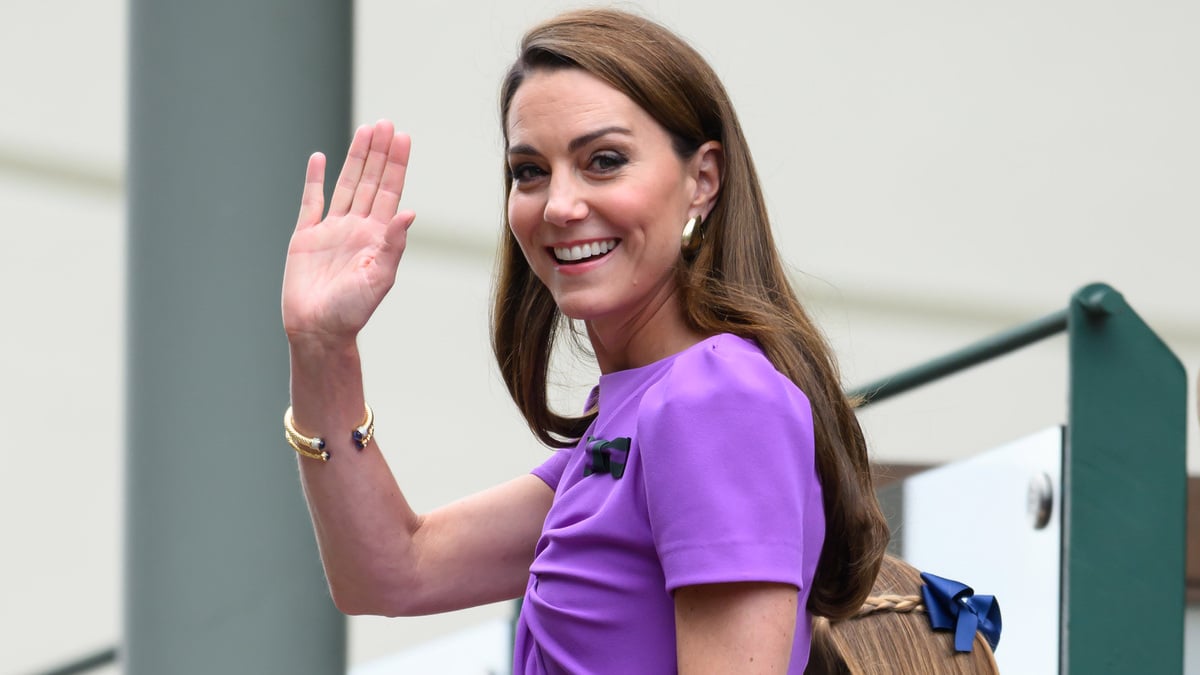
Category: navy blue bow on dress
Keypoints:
(606, 456)
(954, 606)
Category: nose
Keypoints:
(565, 203)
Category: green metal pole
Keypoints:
(1125, 487)
(227, 99)
(972, 355)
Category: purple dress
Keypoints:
(699, 469)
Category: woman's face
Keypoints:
(599, 196)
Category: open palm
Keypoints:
(340, 266)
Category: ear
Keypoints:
(707, 167)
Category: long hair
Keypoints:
(736, 284)
(890, 635)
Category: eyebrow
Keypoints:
(575, 144)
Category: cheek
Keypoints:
(661, 210)
(523, 219)
(516, 215)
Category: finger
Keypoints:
(400, 223)
(312, 200)
(397, 232)
(347, 183)
(391, 186)
(368, 184)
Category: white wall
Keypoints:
(936, 171)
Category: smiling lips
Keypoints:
(581, 252)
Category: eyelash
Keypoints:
(522, 172)
(615, 159)
(609, 161)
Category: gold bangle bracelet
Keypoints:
(313, 447)
(365, 431)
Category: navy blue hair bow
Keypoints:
(602, 459)
(954, 606)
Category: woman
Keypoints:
(716, 492)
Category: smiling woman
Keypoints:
(714, 496)
(597, 200)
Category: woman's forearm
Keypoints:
(363, 523)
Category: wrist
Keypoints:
(312, 351)
(326, 382)
(319, 341)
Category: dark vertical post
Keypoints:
(227, 99)
(1125, 484)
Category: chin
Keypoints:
(575, 311)
(579, 309)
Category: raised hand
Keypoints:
(341, 266)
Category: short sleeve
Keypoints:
(726, 445)
(551, 470)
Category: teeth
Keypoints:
(582, 251)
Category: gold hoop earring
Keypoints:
(693, 234)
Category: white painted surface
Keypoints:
(484, 649)
(1191, 640)
(969, 522)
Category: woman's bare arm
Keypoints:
(745, 627)
(380, 556)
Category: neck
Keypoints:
(656, 332)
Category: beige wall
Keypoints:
(936, 171)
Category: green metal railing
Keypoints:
(85, 664)
(973, 355)
(1124, 481)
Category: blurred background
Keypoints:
(936, 172)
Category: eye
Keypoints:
(524, 173)
(607, 162)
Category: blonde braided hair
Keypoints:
(890, 603)
(896, 642)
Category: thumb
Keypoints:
(399, 224)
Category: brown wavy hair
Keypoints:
(890, 635)
(736, 284)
